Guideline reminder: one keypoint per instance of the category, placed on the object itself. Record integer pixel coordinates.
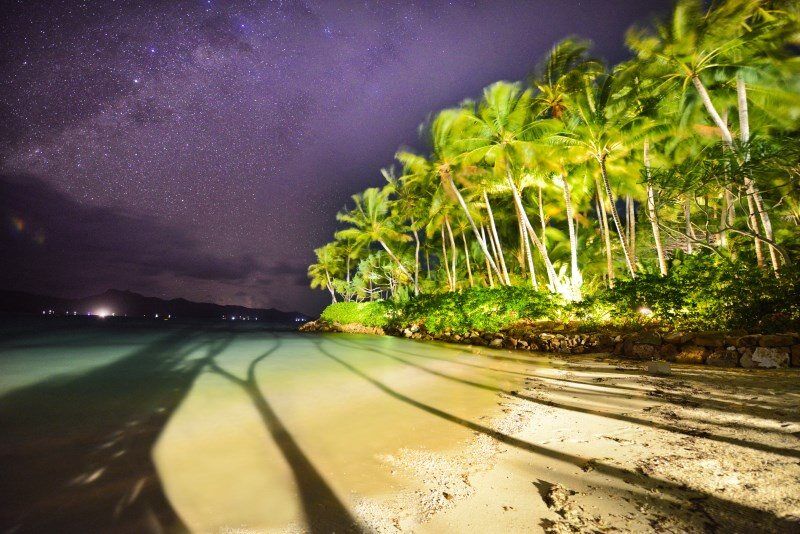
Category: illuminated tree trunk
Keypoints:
(551, 273)
(653, 213)
(575, 274)
(752, 190)
(466, 257)
(526, 249)
(462, 202)
(488, 269)
(445, 260)
(453, 251)
(615, 214)
(396, 260)
(496, 239)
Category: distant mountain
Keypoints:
(128, 303)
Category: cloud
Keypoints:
(52, 243)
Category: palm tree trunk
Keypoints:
(687, 218)
(464, 207)
(466, 256)
(552, 278)
(526, 249)
(453, 250)
(416, 258)
(631, 220)
(653, 213)
(330, 286)
(396, 260)
(615, 214)
(445, 261)
(603, 219)
(575, 274)
(488, 268)
(427, 260)
(752, 190)
(542, 220)
(496, 240)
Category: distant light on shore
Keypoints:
(102, 313)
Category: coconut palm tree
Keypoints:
(370, 223)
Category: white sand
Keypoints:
(594, 445)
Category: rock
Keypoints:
(510, 343)
(648, 338)
(456, 337)
(642, 351)
(770, 357)
(668, 352)
(709, 339)
(692, 354)
(795, 355)
(659, 368)
(776, 340)
(523, 344)
(748, 341)
(414, 328)
(496, 342)
(724, 358)
(676, 338)
(407, 332)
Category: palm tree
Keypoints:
(322, 273)
(503, 134)
(370, 223)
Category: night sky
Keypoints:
(201, 149)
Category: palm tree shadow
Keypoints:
(322, 509)
(76, 451)
(730, 513)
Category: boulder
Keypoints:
(770, 357)
(658, 368)
(642, 351)
(727, 357)
(676, 338)
(709, 339)
(668, 352)
(496, 342)
(748, 341)
(764, 357)
(648, 338)
(692, 354)
(776, 340)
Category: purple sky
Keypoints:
(201, 149)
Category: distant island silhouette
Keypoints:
(128, 303)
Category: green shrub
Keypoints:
(366, 313)
(703, 292)
(482, 309)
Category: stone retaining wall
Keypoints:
(719, 349)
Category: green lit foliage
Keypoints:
(697, 136)
(482, 309)
(365, 313)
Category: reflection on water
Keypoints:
(206, 429)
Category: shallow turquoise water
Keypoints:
(204, 428)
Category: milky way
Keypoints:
(201, 149)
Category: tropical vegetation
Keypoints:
(666, 183)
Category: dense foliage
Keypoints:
(481, 309)
(365, 313)
(663, 188)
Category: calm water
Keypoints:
(135, 428)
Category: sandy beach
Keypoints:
(593, 444)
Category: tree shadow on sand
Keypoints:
(76, 451)
(322, 509)
(726, 512)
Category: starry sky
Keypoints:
(201, 148)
